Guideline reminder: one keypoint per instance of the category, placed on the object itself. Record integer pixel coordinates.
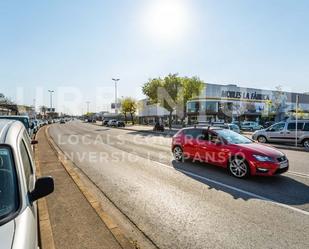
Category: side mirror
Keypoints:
(34, 142)
(43, 187)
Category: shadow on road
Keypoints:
(280, 188)
(106, 129)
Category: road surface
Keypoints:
(190, 205)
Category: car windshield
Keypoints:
(233, 137)
(8, 184)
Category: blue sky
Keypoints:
(83, 44)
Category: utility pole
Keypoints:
(116, 107)
(51, 99)
(296, 118)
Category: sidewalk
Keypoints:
(74, 223)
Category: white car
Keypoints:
(19, 188)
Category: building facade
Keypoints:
(233, 103)
(148, 113)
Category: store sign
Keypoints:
(244, 95)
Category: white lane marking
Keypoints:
(222, 184)
(297, 174)
(237, 189)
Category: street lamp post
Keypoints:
(51, 99)
(116, 107)
(296, 119)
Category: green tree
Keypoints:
(172, 92)
(128, 105)
(164, 92)
(192, 87)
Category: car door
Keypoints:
(290, 134)
(191, 140)
(276, 132)
(28, 219)
(212, 149)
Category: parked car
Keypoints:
(112, 123)
(250, 126)
(285, 132)
(228, 149)
(24, 119)
(158, 127)
(35, 126)
(120, 124)
(268, 123)
(62, 121)
(19, 188)
(229, 126)
(104, 122)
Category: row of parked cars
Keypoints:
(236, 126)
(31, 125)
(19, 186)
(113, 123)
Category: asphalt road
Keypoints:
(190, 205)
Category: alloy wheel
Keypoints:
(261, 139)
(238, 168)
(306, 144)
(178, 153)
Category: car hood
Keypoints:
(261, 149)
(7, 235)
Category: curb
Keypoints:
(45, 233)
(123, 241)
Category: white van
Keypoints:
(285, 132)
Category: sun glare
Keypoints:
(166, 20)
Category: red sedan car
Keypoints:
(225, 148)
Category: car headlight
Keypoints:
(263, 158)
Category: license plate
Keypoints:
(283, 165)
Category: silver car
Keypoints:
(229, 126)
(250, 126)
(285, 132)
(19, 188)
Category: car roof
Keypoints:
(299, 120)
(13, 116)
(203, 127)
(12, 127)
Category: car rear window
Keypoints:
(8, 184)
